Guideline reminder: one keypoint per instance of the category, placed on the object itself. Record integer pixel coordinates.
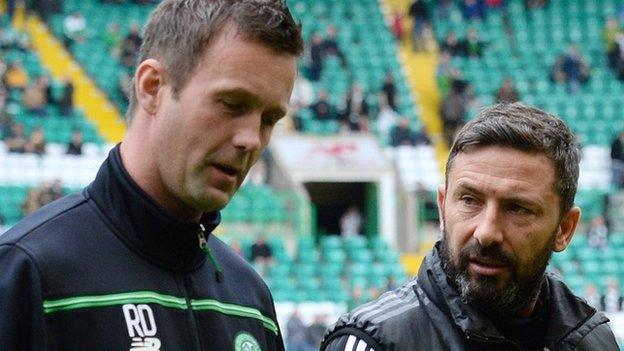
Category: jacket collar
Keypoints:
(142, 224)
(569, 317)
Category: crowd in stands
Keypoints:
(617, 161)
(571, 69)
(32, 94)
(614, 44)
(42, 195)
(301, 337)
(610, 300)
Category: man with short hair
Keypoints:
(506, 205)
(130, 263)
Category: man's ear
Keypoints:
(566, 228)
(441, 199)
(150, 81)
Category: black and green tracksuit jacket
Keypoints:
(109, 269)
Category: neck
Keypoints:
(141, 167)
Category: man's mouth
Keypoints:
(486, 266)
(227, 169)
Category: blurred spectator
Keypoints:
(356, 298)
(453, 111)
(128, 54)
(35, 96)
(316, 58)
(16, 142)
(391, 284)
(74, 27)
(16, 76)
(493, 4)
(351, 222)
(617, 161)
(592, 296)
(6, 125)
(452, 45)
(124, 85)
(386, 119)
(297, 333)
(37, 143)
(472, 45)
(135, 35)
(421, 137)
(49, 192)
(113, 39)
(45, 8)
(507, 93)
(575, 69)
(612, 298)
(130, 47)
(397, 25)
(373, 292)
(444, 8)
(261, 251)
(66, 102)
(612, 48)
(619, 55)
(316, 331)
(330, 46)
(535, 4)
(472, 10)
(597, 234)
(75, 145)
(402, 134)
(389, 89)
(420, 15)
(3, 227)
(321, 109)
(354, 107)
(31, 203)
(444, 73)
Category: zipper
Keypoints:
(203, 245)
(201, 235)
(191, 314)
(487, 340)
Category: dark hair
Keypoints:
(179, 31)
(527, 129)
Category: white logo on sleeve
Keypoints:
(141, 327)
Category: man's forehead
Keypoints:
(503, 167)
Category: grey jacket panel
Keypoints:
(428, 314)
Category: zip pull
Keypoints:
(203, 245)
(201, 235)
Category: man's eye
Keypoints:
(515, 208)
(468, 200)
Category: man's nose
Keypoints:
(247, 135)
(489, 230)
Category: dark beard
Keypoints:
(481, 292)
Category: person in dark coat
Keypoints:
(507, 204)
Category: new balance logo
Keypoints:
(141, 327)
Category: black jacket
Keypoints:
(427, 314)
(109, 269)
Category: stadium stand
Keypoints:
(514, 42)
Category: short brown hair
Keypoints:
(179, 31)
(527, 129)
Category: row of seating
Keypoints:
(535, 39)
(327, 271)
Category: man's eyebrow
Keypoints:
(462, 186)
